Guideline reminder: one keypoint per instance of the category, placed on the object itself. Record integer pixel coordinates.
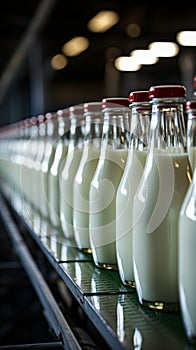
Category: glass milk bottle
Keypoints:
(6, 164)
(104, 184)
(17, 164)
(138, 144)
(187, 260)
(191, 132)
(164, 182)
(13, 161)
(35, 178)
(85, 172)
(55, 168)
(30, 151)
(69, 169)
(51, 123)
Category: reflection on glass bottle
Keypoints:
(191, 132)
(137, 339)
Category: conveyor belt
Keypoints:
(111, 311)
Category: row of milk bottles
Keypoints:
(118, 179)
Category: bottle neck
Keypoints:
(191, 129)
(168, 131)
(63, 129)
(77, 130)
(140, 126)
(52, 128)
(93, 127)
(116, 127)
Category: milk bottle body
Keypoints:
(30, 151)
(85, 172)
(55, 169)
(42, 136)
(104, 184)
(137, 151)
(187, 260)
(69, 169)
(50, 148)
(187, 240)
(158, 199)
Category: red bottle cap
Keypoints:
(49, 115)
(194, 82)
(92, 107)
(76, 110)
(139, 96)
(33, 120)
(40, 118)
(190, 105)
(114, 102)
(167, 91)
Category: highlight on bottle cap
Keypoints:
(167, 91)
(115, 102)
(76, 110)
(191, 105)
(194, 82)
(92, 107)
(32, 121)
(41, 118)
(48, 116)
(139, 96)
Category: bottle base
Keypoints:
(86, 250)
(106, 266)
(161, 306)
(129, 284)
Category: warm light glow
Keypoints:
(133, 30)
(58, 62)
(126, 64)
(103, 21)
(144, 56)
(164, 49)
(186, 38)
(75, 46)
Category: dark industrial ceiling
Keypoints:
(85, 77)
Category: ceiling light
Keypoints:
(75, 46)
(186, 38)
(126, 64)
(103, 21)
(58, 62)
(164, 49)
(133, 30)
(144, 56)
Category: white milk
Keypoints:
(187, 260)
(102, 207)
(26, 179)
(66, 190)
(124, 207)
(53, 183)
(187, 282)
(45, 168)
(155, 229)
(192, 157)
(81, 186)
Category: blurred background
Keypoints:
(42, 69)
